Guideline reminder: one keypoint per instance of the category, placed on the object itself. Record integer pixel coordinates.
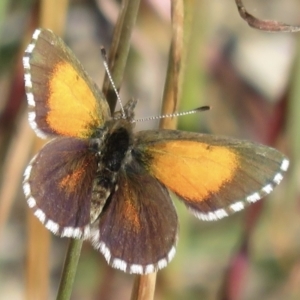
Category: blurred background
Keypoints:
(250, 79)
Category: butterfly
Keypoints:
(98, 180)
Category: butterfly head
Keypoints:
(127, 112)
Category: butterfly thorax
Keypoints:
(112, 145)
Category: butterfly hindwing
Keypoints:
(58, 186)
(62, 98)
(137, 230)
(213, 175)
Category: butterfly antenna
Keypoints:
(178, 114)
(103, 52)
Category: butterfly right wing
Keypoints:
(214, 176)
(138, 225)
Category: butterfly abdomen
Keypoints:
(111, 150)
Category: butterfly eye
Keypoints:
(95, 144)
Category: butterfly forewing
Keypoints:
(213, 175)
(62, 98)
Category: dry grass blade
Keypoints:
(118, 52)
(37, 270)
(265, 25)
(51, 15)
(173, 81)
(14, 164)
(144, 285)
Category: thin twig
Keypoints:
(265, 25)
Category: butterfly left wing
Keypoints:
(58, 186)
(62, 98)
(213, 175)
(137, 229)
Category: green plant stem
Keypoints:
(117, 61)
(293, 125)
(69, 270)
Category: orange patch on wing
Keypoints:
(130, 210)
(73, 108)
(71, 182)
(193, 170)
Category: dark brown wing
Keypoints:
(137, 230)
(58, 185)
